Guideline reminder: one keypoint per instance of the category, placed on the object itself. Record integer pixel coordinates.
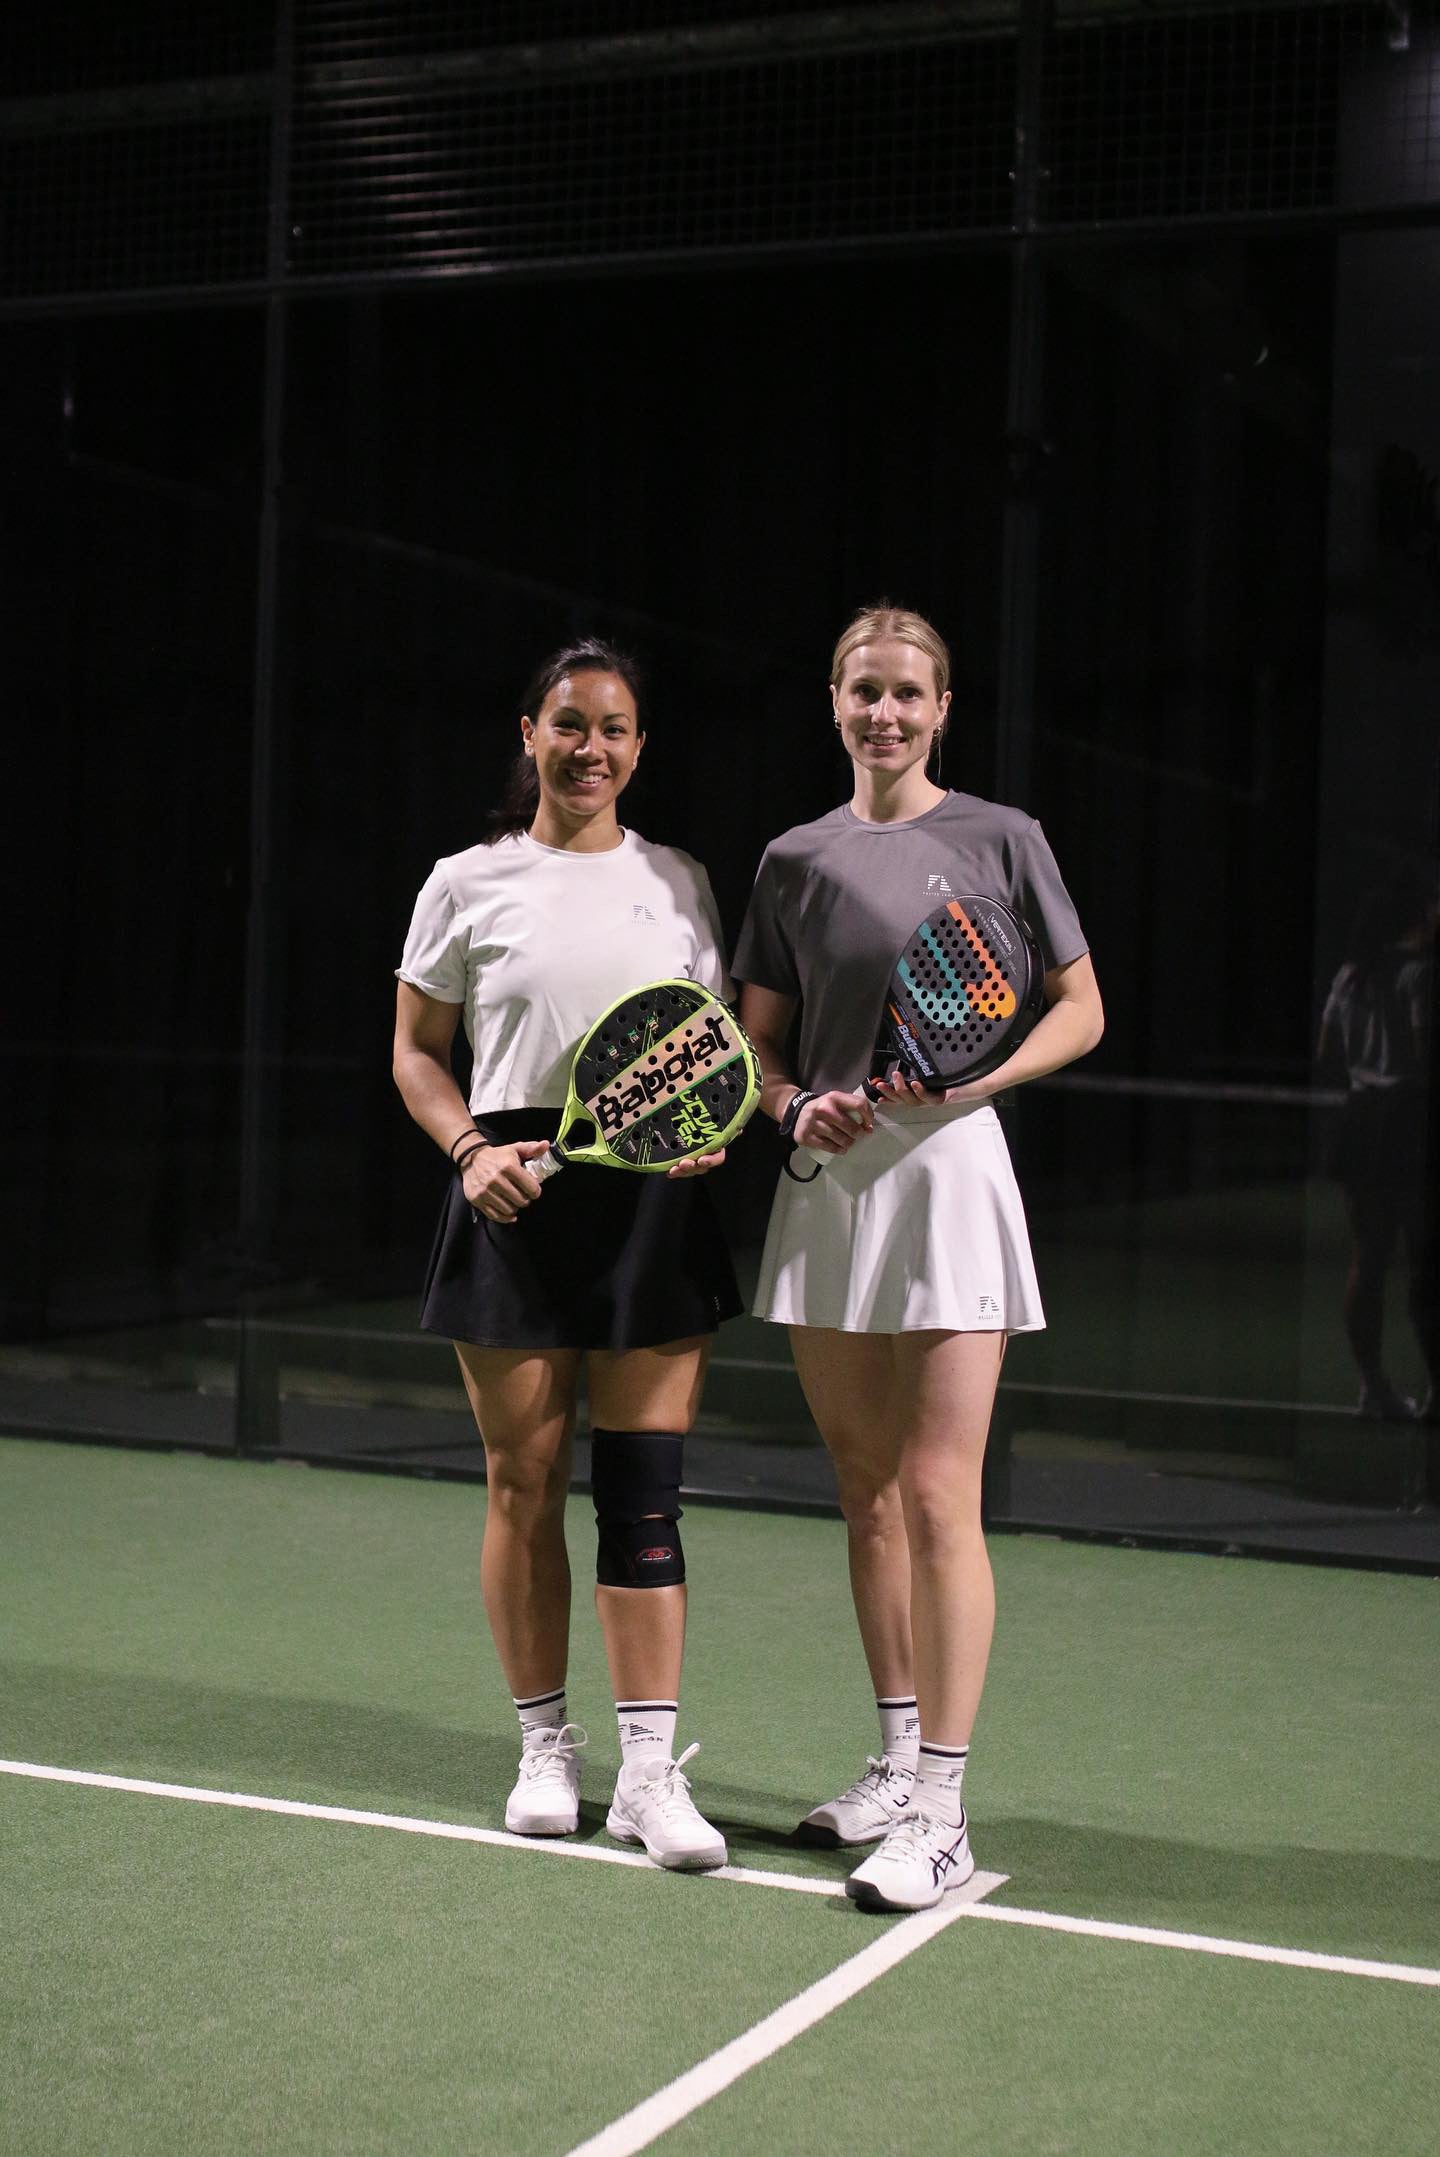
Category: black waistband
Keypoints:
(505, 1125)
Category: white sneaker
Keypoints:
(919, 1859)
(546, 1797)
(652, 1805)
(864, 1812)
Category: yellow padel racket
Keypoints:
(664, 1074)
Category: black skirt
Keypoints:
(1378, 1148)
(602, 1259)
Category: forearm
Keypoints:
(1067, 1030)
(429, 1091)
(778, 1081)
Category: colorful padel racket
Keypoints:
(964, 993)
(664, 1074)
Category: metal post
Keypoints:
(256, 1402)
(1025, 439)
(1021, 533)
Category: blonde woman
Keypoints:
(902, 1270)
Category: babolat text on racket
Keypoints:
(964, 993)
(665, 1074)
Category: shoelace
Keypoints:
(877, 1774)
(670, 1790)
(552, 1753)
(908, 1834)
(912, 1832)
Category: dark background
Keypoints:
(355, 356)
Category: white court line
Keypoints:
(636, 2129)
(980, 1884)
(1204, 1943)
(446, 1830)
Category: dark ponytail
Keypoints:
(521, 798)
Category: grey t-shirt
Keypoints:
(835, 902)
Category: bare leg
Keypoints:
(1423, 1251)
(944, 1391)
(524, 1405)
(646, 1389)
(848, 1380)
(1374, 1230)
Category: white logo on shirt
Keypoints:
(938, 883)
(641, 913)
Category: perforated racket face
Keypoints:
(664, 1074)
(966, 990)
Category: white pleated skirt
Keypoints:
(919, 1227)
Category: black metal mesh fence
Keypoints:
(1250, 112)
(69, 48)
(437, 138)
(583, 165)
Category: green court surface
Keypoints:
(1223, 1749)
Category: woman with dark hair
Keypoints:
(1376, 1027)
(528, 937)
(902, 1270)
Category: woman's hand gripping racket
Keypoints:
(665, 1076)
(962, 996)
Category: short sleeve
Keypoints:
(1417, 992)
(434, 959)
(709, 967)
(764, 954)
(1046, 904)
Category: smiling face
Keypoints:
(887, 706)
(585, 740)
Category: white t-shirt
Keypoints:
(536, 942)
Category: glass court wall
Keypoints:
(283, 550)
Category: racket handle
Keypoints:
(870, 1087)
(545, 1165)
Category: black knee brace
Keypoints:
(635, 1482)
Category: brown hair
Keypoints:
(872, 623)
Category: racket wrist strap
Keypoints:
(793, 1107)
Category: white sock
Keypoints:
(939, 1772)
(899, 1732)
(647, 1730)
(546, 1711)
